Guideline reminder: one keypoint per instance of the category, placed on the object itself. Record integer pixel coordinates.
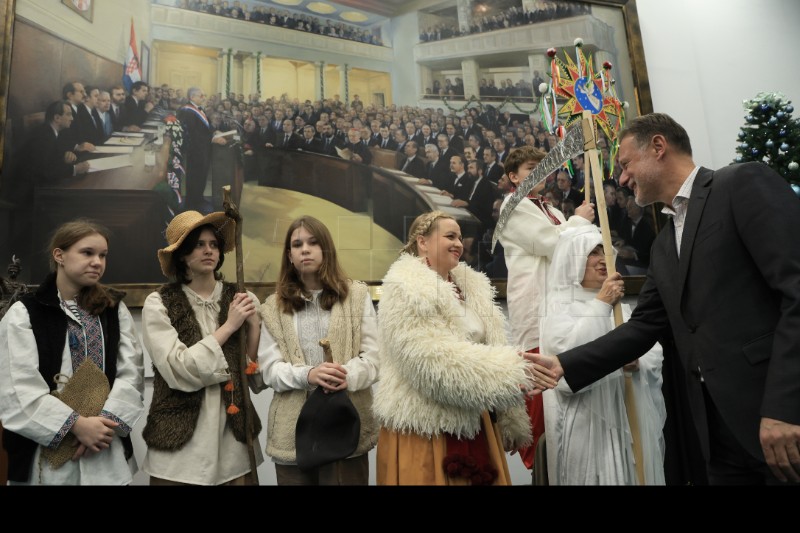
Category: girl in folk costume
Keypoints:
(449, 398)
(74, 327)
(588, 436)
(195, 429)
(528, 240)
(315, 300)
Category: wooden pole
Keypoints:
(232, 212)
(597, 179)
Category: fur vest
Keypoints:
(173, 413)
(344, 334)
(433, 380)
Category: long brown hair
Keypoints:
(96, 298)
(335, 283)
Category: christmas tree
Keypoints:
(771, 135)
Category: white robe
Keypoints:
(588, 435)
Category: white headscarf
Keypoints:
(568, 267)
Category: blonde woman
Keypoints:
(449, 399)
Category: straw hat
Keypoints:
(183, 224)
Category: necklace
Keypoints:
(459, 294)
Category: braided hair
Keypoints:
(423, 226)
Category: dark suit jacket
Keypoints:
(732, 302)
(641, 239)
(40, 163)
(391, 144)
(480, 202)
(118, 118)
(329, 145)
(441, 175)
(495, 173)
(463, 188)
(314, 146)
(86, 129)
(362, 150)
(415, 167)
(295, 141)
(134, 112)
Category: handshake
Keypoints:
(545, 371)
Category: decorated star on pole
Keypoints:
(585, 90)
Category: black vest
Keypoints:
(49, 326)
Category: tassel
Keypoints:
(252, 368)
(229, 386)
(232, 409)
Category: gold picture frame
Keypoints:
(84, 8)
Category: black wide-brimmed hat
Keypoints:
(327, 429)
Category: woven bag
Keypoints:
(86, 393)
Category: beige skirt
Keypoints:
(411, 459)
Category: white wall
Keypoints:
(107, 35)
(705, 58)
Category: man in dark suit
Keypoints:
(494, 170)
(42, 161)
(358, 149)
(328, 140)
(459, 185)
(310, 141)
(288, 139)
(565, 189)
(453, 139)
(88, 124)
(197, 140)
(479, 200)
(413, 165)
(136, 105)
(441, 175)
(723, 282)
(384, 139)
(638, 236)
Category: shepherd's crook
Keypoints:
(232, 212)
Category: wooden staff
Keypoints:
(596, 173)
(232, 212)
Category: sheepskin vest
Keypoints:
(344, 334)
(173, 413)
(432, 379)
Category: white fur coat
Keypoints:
(432, 380)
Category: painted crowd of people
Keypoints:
(430, 378)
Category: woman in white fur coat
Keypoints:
(450, 398)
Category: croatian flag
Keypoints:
(132, 72)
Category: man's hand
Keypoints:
(82, 168)
(546, 371)
(781, 444)
(459, 203)
(219, 140)
(85, 147)
(70, 157)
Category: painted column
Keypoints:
(469, 73)
(464, 10)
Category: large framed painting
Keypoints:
(228, 56)
(84, 8)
